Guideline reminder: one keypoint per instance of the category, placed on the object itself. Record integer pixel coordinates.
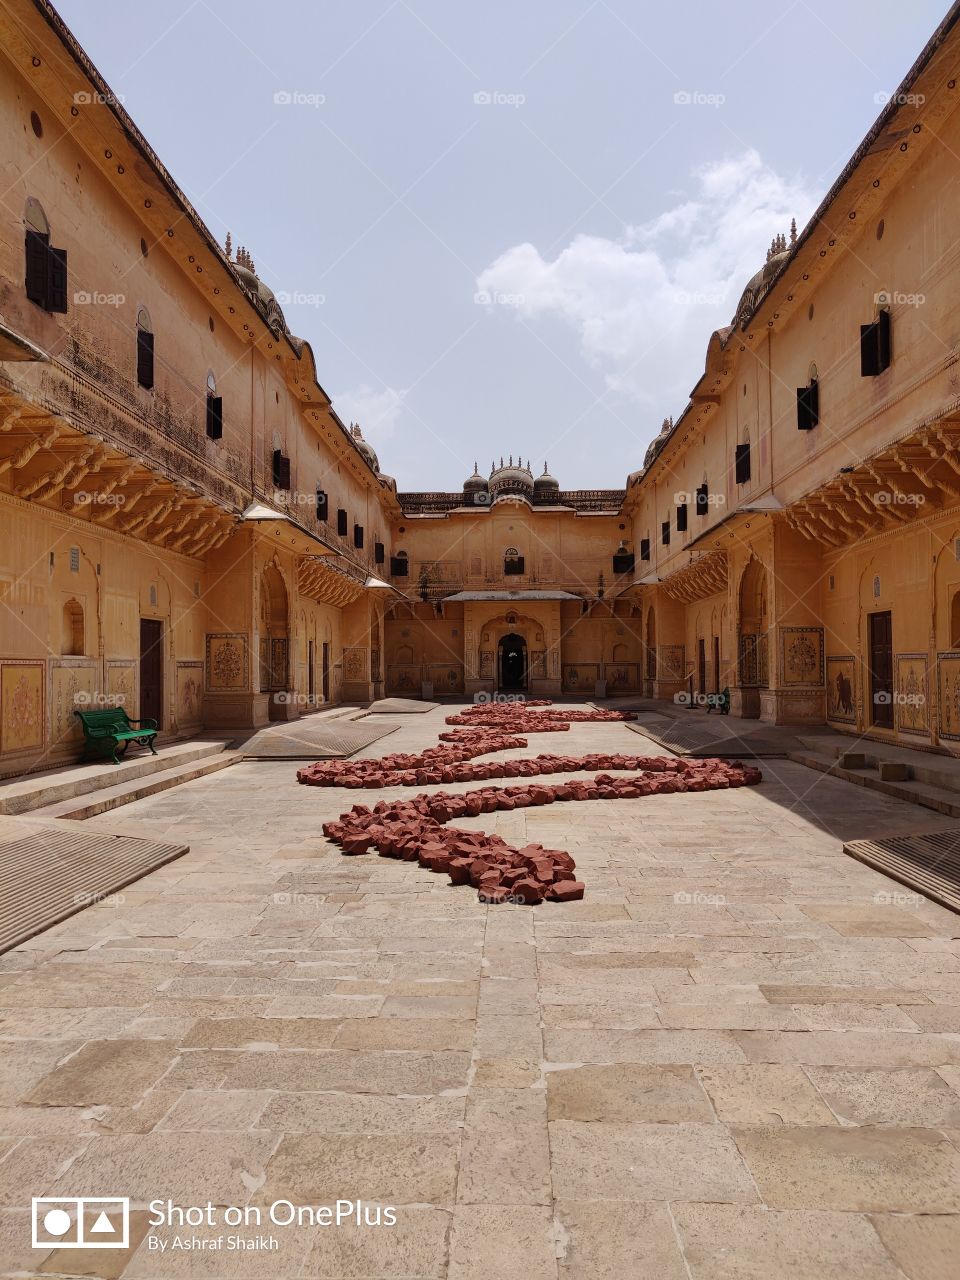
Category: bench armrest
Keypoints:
(147, 723)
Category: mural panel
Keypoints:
(910, 703)
(446, 677)
(580, 677)
(670, 662)
(21, 706)
(121, 683)
(948, 690)
(228, 666)
(622, 677)
(404, 678)
(355, 663)
(73, 687)
(801, 655)
(841, 689)
(189, 694)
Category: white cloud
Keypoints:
(645, 305)
(377, 412)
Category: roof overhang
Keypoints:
(509, 595)
(766, 502)
(14, 346)
(279, 528)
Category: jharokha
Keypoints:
(188, 527)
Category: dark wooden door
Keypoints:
(701, 666)
(311, 675)
(881, 670)
(716, 664)
(151, 670)
(326, 671)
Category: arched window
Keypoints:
(214, 409)
(144, 349)
(399, 565)
(46, 267)
(955, 621)
(808, 401)
(512, 561)
(72, 637)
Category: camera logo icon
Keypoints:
(81, 1222)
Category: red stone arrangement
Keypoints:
(413, 830)
(512, 716)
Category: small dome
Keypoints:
(475, 483)
(511, 477)
(546, 483)
(657, 443)
(365, 448)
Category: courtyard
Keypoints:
(737, 1056)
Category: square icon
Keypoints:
(81, 1222)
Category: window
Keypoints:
(875, 346)
(214, 410)
(342, 522)
(323, 506)
(665, 533)
(808, 402)
(358, 536)
(644, 548)
(681, 517)
(72, 638)
(144, 349)
(742, 462)
(622, 560)
(379, 553)
(399, 566)
(281, 470)
(512, 561)
(46, 267)
(702, 503)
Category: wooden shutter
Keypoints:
(275, 467)
(342, 522)
(56, 280)
(283, 481)
(36, 267)
(742, 463)
(884, 348)
(681, 517)
(703, 500)
(379, 552)
(145, 358)
(322, 505)
(808, 403)
(398, 566)
(644, 548)
(358, 536)
(869, 351)
(665, 533)
(623, 562)
(215, 417)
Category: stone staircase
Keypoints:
(85, 790)
(920, 777)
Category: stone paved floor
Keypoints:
(739, 1056)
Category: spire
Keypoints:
(793, 232)
(229, 245)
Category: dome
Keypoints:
(366, 449)
(546, 484)
(778, 253)
(475, 483)
(657, 443)
(511, 477)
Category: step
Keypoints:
(108, 798)
(930, 767)
(942, 799)
(39, 790)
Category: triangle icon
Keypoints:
(103, 1224)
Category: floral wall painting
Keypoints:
(911, 693)
(948, 689)
(228, 667)
(21, 706)
(802, 655)
(841, 689)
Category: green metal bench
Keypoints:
(111, 730)
(719, 702)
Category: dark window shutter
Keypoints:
(869, 351)
(379, 552)
(275, 470)
(681, 517)
(145, 358)
(884, 348)
(742, 463)
(36, 267)
(703, 500)
(342, 522)
(283, 481)
(808, 406)
(57, 280)
(215, 417)
(814, 401)
(398, 566)
(644, 548)
(623, 562)
(322, 505)
(665, 533)
(358, 536)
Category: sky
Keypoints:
(506, 227)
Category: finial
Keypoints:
(229, 244)
(793, 231)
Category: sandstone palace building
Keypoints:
(187, 525)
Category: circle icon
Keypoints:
(56, 1222)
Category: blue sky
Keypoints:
(506, 227)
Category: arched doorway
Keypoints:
(513, 662)
(752, 655)
(274, 630)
